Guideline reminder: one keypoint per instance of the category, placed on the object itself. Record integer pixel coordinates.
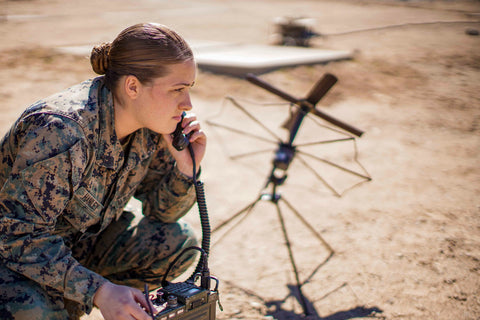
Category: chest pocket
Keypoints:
(115, 209)
(83, 211)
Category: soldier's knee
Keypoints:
(182, 236)
(190, 237)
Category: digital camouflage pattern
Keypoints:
(65, 179)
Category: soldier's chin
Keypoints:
(163, 130)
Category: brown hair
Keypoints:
(143, 50)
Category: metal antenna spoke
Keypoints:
(309, 226)
(247, 154)
(245, 212)
(241, 108)
(247, 209)
(292, 260)
(285, 154)
(326, 184)
(335, 165)
(307, 144)
(245, 133)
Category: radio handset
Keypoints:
(180, 140)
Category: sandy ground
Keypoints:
(406, 244)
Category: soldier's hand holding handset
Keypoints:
(190, 127)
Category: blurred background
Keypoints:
(406, 245)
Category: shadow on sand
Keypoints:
(276, 311)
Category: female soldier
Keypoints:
(70, 164)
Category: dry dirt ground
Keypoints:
(406, 244)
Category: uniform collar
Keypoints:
(110, 153)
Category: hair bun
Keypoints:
(99, 58)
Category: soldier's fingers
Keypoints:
(138, 313)
(192, 126)
(138, 310)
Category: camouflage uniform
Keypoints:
(66, 179)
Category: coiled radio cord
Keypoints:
(202, 208)
(202, 265)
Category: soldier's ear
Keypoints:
(132, 86)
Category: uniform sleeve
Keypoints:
(48, 160)
(166, 193)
